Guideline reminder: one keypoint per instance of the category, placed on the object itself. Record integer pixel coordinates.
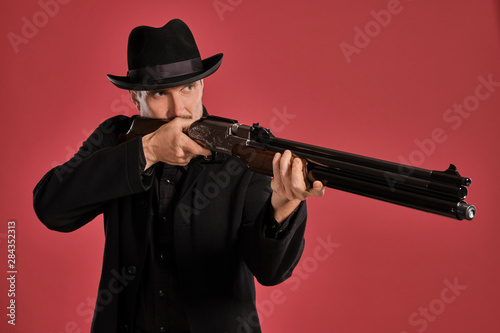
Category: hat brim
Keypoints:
(210, 65)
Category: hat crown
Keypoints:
(164, 57)
(149, 46)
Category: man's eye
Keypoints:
(189, 87)
(159, 93)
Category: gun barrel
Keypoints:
(438, 192)
(456, 209)
(449, 176)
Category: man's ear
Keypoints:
(202, 86)
(135, 98)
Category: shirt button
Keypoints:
(163, 329)
(164, 218)
(162, 257)
(132, 270)
(161, 292)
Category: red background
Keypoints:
(280, 58)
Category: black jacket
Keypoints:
(220, 230)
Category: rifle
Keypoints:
(438, 192)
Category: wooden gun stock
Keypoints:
(140, 127)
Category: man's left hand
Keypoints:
(289, 185)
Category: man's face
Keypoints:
(181, 101)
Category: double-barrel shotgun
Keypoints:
(438, 192)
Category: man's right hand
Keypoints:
(169, 144)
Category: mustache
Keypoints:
(186, 116)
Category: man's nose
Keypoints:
(176, 107)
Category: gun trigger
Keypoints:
(215, 155)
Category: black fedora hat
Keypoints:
(164, 57)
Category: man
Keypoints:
(186, 232)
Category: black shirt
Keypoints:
(158, 306)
